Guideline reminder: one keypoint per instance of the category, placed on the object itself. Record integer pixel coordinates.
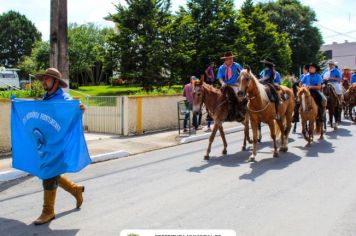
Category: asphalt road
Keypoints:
(307, 191)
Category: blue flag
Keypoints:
(47, 137)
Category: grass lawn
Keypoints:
(124, 90)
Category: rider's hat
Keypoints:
(228, 55)
(316, 66)
(268, 61)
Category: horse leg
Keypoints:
(259, 133)
(246, 135)
(254, 150)
(295, 128)
(211, 139)
(222, 134)
(289, 118)
(321, 130)
(311, 131)
(282, 129)
(273, 137)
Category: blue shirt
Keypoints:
(353, 78)
(277, 80)
(59, 94)
(327, 73)
(236, 69)
(312, 80)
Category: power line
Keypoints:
(339, 33)
(334, 35)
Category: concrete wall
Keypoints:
(149, 113)
(5, 138)
(343, 53)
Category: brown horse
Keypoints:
(332, 104)
(350, 102)
(217, 105)
(261, 109)
(309, 114)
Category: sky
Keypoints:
(336, 20)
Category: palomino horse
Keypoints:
(350, 102)
(217, 105)
(261, 109)
(309, 114)
(332, 104)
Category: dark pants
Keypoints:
(50, 184)
(196, 118)
(318, 98)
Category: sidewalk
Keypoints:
(99, 144)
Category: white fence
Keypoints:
(104, 115)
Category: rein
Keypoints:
(257, 111)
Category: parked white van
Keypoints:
(9, 79)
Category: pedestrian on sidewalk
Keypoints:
(210, 79)
(188, 94)
(53, 83)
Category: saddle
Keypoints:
(270, 87)
(236, 106)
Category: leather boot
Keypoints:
(48, 207)
(72, 188)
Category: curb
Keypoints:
(207, 135)
(16, 174)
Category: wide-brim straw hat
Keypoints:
(53, 73)
(228, 55)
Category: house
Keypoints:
(342, 53)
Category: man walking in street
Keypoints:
(53, 83)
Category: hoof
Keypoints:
(243, 148)
(224, 152)
(251, 159)
(283, 149)
(206, 157)
(307, 145)
(276, 154)
(259, 140)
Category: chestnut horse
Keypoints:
(309, 114)
(261, 109)
(217, 105)
(350, 102)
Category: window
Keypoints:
(328, 54)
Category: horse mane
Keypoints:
(303, 90)
(260, 87)
(332, 90)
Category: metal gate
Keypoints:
(104, 115)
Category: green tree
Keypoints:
(214, 31)
(38, 61)
(141, 41)
(88, 53)
(297, 20)
(17, 36)
(259, 39)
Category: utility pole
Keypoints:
(59, 38)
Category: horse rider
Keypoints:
(268, 76)
(228, 74)
(313, 82)
(332, 75)
(229, 71)
(353, 79)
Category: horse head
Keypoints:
(244, 81)
(304, 97)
